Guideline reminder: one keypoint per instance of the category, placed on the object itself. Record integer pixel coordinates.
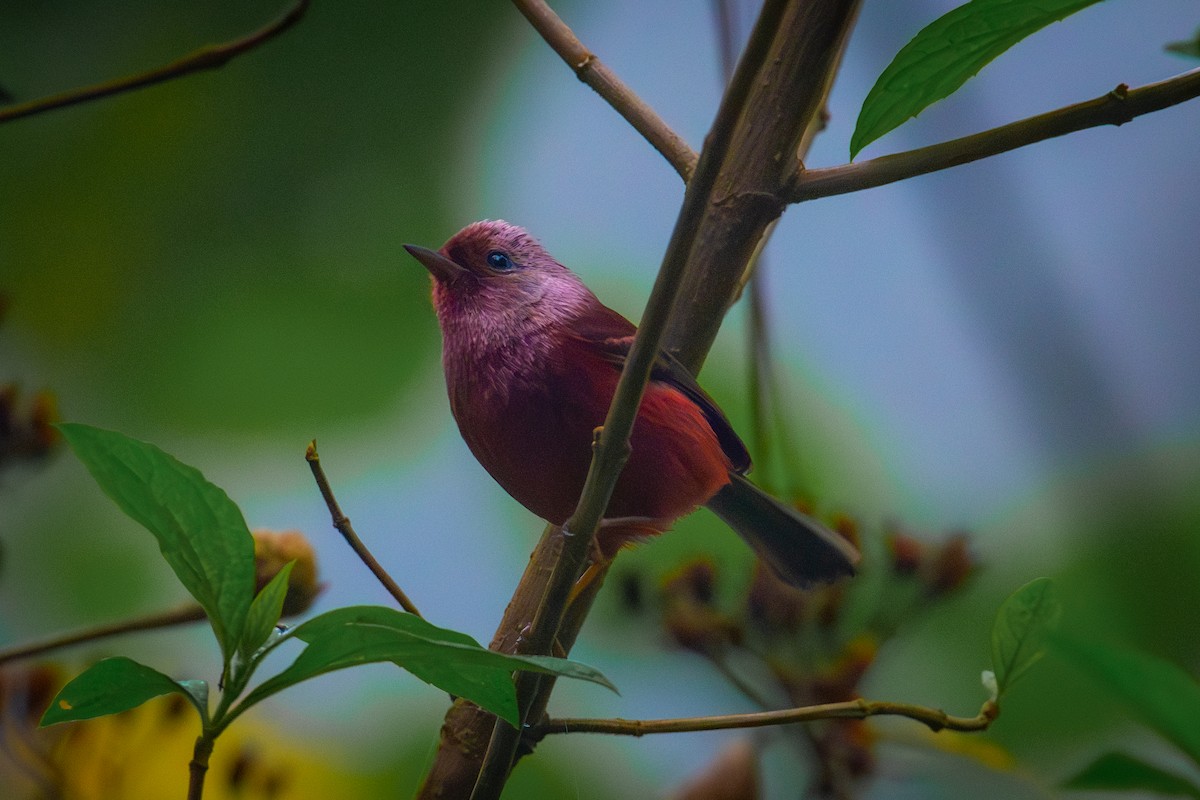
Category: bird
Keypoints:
(532, 358)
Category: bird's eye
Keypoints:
(500, 261)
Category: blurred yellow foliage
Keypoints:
(144, 754)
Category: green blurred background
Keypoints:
(214, 265)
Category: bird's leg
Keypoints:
(596, 563)
(613, 534)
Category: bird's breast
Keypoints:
(527, 414)
(491, 370)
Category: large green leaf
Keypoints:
(111, 686)
(1157, 691)
(946, 54)
(452, 661)
(200, 531)
(415, 627)
(1124, 773)
(1019, 633)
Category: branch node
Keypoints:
(1119, 104)
(583, 64)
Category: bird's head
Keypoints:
(495, 271)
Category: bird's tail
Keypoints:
(801, 550)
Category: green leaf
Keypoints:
(452, 661)
(1157, 691)
(265, 611)
(200, 531)
(1121, 772)
(1020, 630)
(377, 615)
(417, 628)
(111, 686)
(946, 54)
(1189, 48)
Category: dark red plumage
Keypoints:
(532, 360)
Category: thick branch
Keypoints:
(592, 71)
(466, 730)
(209, 57)
(771, 136)
(935, 719)
(1115, 108)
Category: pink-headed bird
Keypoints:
(532, 360)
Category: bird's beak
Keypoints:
(438, 265)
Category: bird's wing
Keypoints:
(612, 335)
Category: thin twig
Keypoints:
(760, 364)
(208, 57)
(934, 719)
(592, 71)
(748, 690)
(342, 523)
(183, 615)
(758, 377)
(1117, 107)
(723, 16)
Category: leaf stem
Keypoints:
(342, 523)
(208, 57)
(1117, 107)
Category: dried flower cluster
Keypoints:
(786, 647)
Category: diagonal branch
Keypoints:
(209, 57)
(592, 71)
(935, 719)
(1117, 107)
